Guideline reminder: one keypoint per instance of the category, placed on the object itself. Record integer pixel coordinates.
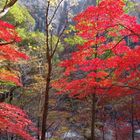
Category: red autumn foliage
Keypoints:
(9, 77)
(12, 119)
(8, 51)
(109, 64)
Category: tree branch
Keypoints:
(56, 9)
(7, 43)
(58, 40)
(7, 7)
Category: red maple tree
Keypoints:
(108, 63)
(12, 119)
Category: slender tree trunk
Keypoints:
(50, 51)
(93, 117)
(103, 133)
(116, 134)
(48, 78)
(115, 124)
(103, 127)
(93, 109)
(93, 101)
(38, 126)
(132, 118)
(46, 102)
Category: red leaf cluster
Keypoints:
(12, 119)
(8, 51)
(108, 63)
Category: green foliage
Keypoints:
(74, 40)
(130, 6)
(31, 39)
(54, 41)
(6, 86)
(106, 55)
(19, 16)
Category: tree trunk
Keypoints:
(132, 118)
(93, 117)
(103, 133)
(48, 78)
(116, 133)
(38, 126)
(93, 109)
(46, 103)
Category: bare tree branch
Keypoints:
(56, 9)
(58, 40)
(51, 42)
(7, 43)
(130, 30)
(7, 7)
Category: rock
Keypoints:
(71, 135)
(48, 135)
